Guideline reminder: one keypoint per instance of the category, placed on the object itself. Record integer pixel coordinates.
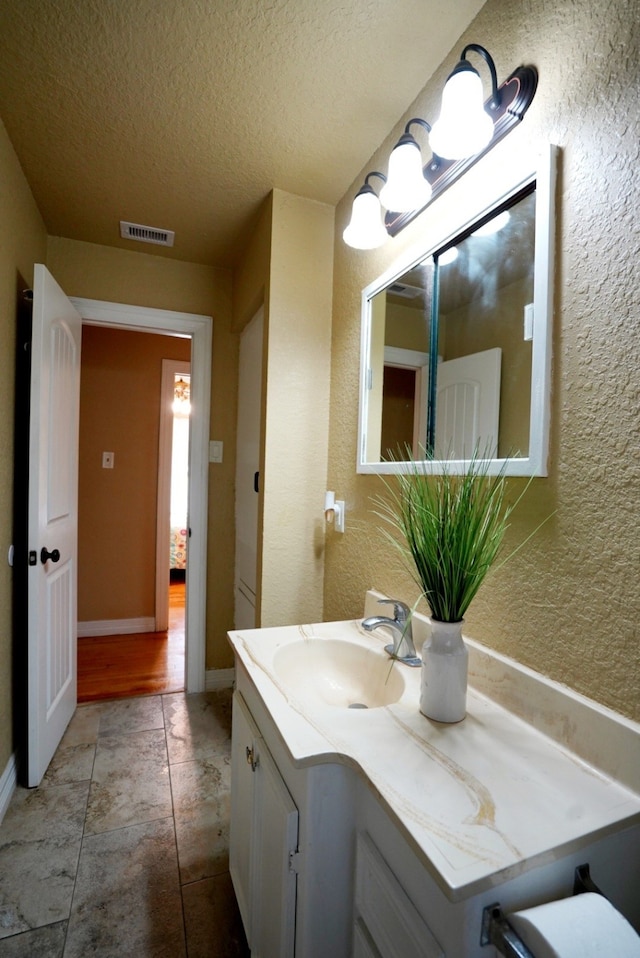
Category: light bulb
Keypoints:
(366, 229)
(464, 128)
(406, 188)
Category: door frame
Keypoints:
(200, 330)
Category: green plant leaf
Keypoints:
(448, 528)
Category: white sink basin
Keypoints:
(338, 673)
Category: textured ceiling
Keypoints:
(184, 114)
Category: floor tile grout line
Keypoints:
(133, 731)
(203, 878)
(84, 825)
(120, 828)
(175, 834)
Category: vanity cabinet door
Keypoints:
(274, 848)
(244, 736)
(263, 841)
(387, 923)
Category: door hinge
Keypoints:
(252, 759)
(294, 861)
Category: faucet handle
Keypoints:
(401, 610)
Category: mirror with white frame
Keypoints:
(456, 341)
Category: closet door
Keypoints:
(247, 471)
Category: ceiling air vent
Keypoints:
(146, 234)
(404, 290)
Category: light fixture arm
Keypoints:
(416, 119)
(367, 185)
(407, 136)
(488, 59)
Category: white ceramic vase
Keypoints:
(443, 686)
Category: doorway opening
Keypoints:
(197, 330)
(179, 489)
(132, 513)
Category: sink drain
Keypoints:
(358, 705)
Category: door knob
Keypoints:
(54, 555)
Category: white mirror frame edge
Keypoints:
(200, 330)
(536, 463)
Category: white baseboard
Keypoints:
(219, 679)
(116, 627)
(8, 781)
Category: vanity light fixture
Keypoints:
(466, 129)
(366, 229)
(406, 187)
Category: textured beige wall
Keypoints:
(251, 275)
(121, 376)
(288, 267)
(139, 279)
(568, 604)
(298, 355)
(22, 243)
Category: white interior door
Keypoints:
(468, 406)
(53, 521)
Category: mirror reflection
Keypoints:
(450, 352)
(483, 373)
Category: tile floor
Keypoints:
(123, 849)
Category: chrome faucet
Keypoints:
(400, 625)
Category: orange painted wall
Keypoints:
(120, 413)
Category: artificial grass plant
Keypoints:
(449, 528)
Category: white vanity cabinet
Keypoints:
(377, 834)
(264, 841)
(309, 879)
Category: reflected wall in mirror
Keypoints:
(453, 361)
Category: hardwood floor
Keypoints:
(118, 666)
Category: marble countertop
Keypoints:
(487, 798)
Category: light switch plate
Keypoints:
(107, 460)
(215, 450)
(528, 322)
